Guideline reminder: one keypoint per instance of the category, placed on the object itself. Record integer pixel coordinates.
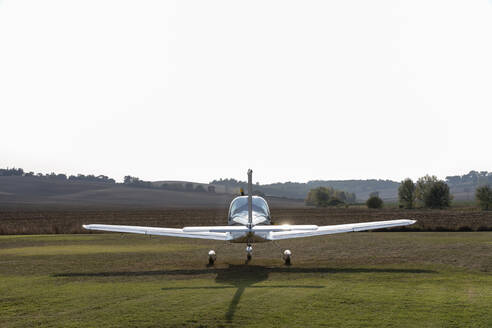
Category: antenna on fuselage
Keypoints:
(250, 198)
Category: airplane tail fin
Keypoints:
(250, 198)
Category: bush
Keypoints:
(374, 202)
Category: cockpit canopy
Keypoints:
(239, 207)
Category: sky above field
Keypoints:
(197, 90)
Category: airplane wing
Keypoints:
(339, 228)
(171, 232)
(273, 232)
(257, 228)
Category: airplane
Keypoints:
(249, 222)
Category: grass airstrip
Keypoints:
(372, 279)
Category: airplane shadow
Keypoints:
(239, 269)
(240, 277)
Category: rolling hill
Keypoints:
(43, 191)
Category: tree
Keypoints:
(423, 186)
(61, 176)
(374, 194)
(432, 192)
(483, 195)
(200, 188)
(11, 172)
(327, 196)
(374, 202)
(131, 181)
(406, 193)
(189, 186)
(438, 195)
(323, 195)
(128, 179)
(259, 193)
(174, 186)
(453, 179)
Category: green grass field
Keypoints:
(374, 279)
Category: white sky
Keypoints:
(197, 90)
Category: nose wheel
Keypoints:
(249, 253)
(211, 257)
(287, 256)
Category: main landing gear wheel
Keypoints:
(249, 253)
(286, 256)
(211, 257)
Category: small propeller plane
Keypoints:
(250, 222)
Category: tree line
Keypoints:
(299, 190)
(175, 186)
(430, 192)
(127, 180)
(56, 176)
(475, 178)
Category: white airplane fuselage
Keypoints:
(239, 216)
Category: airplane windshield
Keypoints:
(240, 205)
